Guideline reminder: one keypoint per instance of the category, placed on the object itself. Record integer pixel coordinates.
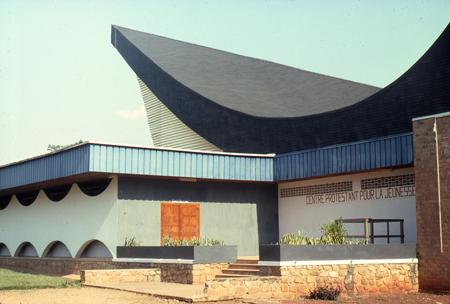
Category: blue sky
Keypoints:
(61, 80)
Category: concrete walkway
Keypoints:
(182, 292)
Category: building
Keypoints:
(247, 151)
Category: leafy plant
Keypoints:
(333, 233)
(132, 242)
(203, 241)
(168, 241)
(326, 291)
(300, 239)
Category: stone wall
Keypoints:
(120, 276)
(189, 273)
(170, 272)
(298, 281)
(433, 250)
(61, 265)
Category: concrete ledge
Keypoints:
(163, 261)
(197, 254)
(338, 262)
(279, 253)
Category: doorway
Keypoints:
(180, 220)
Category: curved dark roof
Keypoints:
(242, 104)
(248, 85)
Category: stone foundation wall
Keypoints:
(170, 272)
(190, 273)
(120, 276)
(298, 281)
(60, 265)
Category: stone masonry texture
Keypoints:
(169, 272)
(120, 276)
(434, 262)
(297, 281)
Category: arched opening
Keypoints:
(94, 249)
(4, 201)
(4, 251)
(57, 249)
(94, 188)
(26, 249)
(27, 198)
(57, 193)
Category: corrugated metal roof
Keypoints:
(149, 161)
(365, 155)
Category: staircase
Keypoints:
(244, 267)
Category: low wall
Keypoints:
(197, 254)
(288, 253)
(120, 276)
(298, 281)
(185, 273)
(60, 265)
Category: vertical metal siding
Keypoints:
(129, 160)
(378, 153)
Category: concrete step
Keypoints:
(247, 260)
(244, 266)
(234, 276)
(247, 272)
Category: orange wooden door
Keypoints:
(189, 221)
(180, 220)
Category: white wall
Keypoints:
(295, 214)
(74, 220)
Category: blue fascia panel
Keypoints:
(115, 159)
(364, 155)
(46, 167)
(171, 163)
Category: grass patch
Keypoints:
(10, 280)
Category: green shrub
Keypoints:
(300, 239)
(333, 233)
(132, 242)
(203, 241)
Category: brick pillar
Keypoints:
(434, 265)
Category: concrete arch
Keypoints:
(4, 250)
(26, 249)
(93, 249)
(57, 249)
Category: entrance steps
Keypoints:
(244, 267)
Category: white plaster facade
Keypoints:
(308, 214)
(75, 221)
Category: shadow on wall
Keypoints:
(26, 249)
(4, 251)
(57, 249)
(56, 194)
(90, 249)
(93, 249)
